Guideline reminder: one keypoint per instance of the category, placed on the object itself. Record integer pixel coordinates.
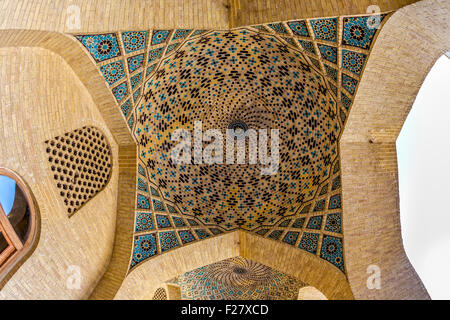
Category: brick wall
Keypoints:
(406, 49)
(40, 98)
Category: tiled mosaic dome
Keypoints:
(296, 76)
(260, 81)
(237, 279)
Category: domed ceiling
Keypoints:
(237, 279)
(299, 77)
(250, 77)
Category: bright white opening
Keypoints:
(423, 150)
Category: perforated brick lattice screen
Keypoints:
(160, 294)
(80, 161)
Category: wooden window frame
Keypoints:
(16, 253)
(10, 249)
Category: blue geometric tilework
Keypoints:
(101, 46)
(180, 33)
(142, 202)
(325, 29)
(306, 208)
(308, 46)
(332, 88)
(323, 190)
(237, 279)
(336, 183)
(291, 237)
(309, 242)
(275, 235)
(315, 223)
(135, 80)
(215, 231)
(144, 221)
(319, 206)
(298, 223)
(260, 28)
(262, 232)
(135, 62)
(144, 247)
(349, 83)
(333, 223)
(315, 63)
(171, 209)
(163, 90)
(342, 115)
(163, 221)
(205, 193)
(113, 72)
(193, 223)
(332, 251)
(120, 91)
(160, 36)
(331, 72)
(186, 236)
(335, 202)
(131, 122)
(150, 70)
(154, 192)
(285, 223)
(328, 53)
(142, 185)
(172, 47)
(290, 41)
(178, 222)
(141, 170)
(357, 31)
(278, 28)
(134, 40)
(337, 167)
(168, 240)
(353, 61)
(202, 234)
(346, 102)
(158, 205)
(299, 28)
(155, 54)
(136, 95)
(198, 32)
(126, 107)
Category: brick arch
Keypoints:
(142, 282)
(406, 49)
(84, 67)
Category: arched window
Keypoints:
(18, 221)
